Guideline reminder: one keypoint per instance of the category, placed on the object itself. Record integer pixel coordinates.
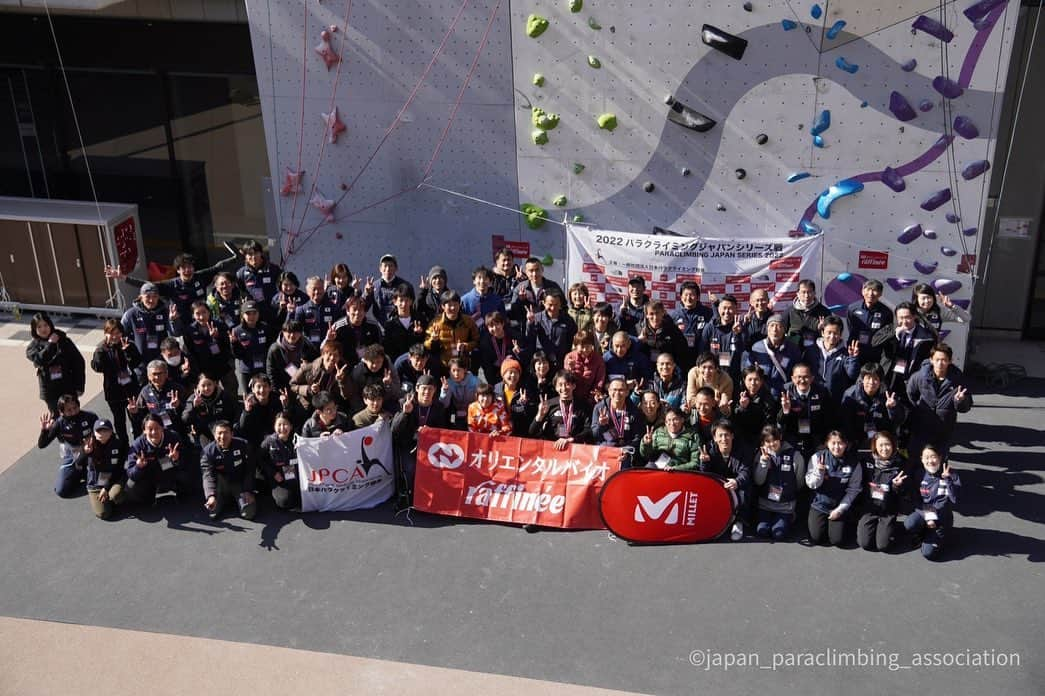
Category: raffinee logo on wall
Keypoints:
(445, 456)
(874, 259)
(667, 510)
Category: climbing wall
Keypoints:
(871, 121)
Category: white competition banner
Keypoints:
(346, 472)
(605, 260)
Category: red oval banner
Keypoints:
(651, 506)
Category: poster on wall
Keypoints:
(605, 260)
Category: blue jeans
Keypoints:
(69, 480)
(775, 524)
(932, 537)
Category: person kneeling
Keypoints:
(487, 415)
(228, 473)
(103, 456)
(836, 479)
(939, 492)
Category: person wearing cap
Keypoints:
(430, 301)
(379, 296)
(288, 354)
(71, 428)
(250, 341)
(259, 278)
(227, 465)
(103, 457)
(452, 334)
(565, 418)
(513, 397)
(147, 322)
(774, 355)
(189, 284)
(419, 409)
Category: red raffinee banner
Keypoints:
(511, 479)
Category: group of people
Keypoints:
(839, 421)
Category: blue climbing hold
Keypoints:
(910, 233)
(810, 228)
(836, 29)
(816, 11)
(788, 24)
(925, 105)
(844, 276)
(863, 105)
(845, 187)
(843, 64)
(822, 123)
(948, 251)
(798, 176)
(818, 140)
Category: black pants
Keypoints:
(875, 531)
(820, 527)
(118, 409)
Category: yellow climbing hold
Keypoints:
(544, 120)
(535, 25)
(607, 121)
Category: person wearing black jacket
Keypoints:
(279, 462)
(259, 278)
(71, 429)
(115, 359)
(148, 321)
(884, 478)
(208, 404)
(754, 407)
(658, 334)
(616, 422)
(419, 409)
(60, 368)
(868, 408)
(261, 407)
(806, 411)
(806, 317)
(562, 418)
(160, 397)
(155, 462)
(207, 343)
(288, 354)
(730, 460)
(413, 364)
(904, 346)
(405, 328)
(836, 479)
(228, 466)
(249, 342)
(103, 457)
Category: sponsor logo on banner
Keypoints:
(346, 472)
(788, 277)
(520, 250)
(594, 268)
(509, 479)
(874, 259)
(788, 263)
(667, 509)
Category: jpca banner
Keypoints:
(511, 479)
(605, 261)
(346, 472)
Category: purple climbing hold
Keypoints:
(816, 11)
(797, 176)
(929, 234)
(926, 268)
(964, 127)
(842, 64)
(925, 105)
(933, 28)
(900, 107)
(788, 24)
(944, 141)
(981, 9)
(984, 23)
(823, 122)
(953, 219)
(898, 284)
(974, 169)
(947, 251)
(910, 233)
(970, 231)
(892, 179)
(945, 286)
(835, 29)
(937, 199)
(947, 87)
(909, 65)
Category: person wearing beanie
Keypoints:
(513, 397)
(774, 355)
(430, 301)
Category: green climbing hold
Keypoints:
(578, 167)
(576, 5)
(539, 137)
(594, 62)
(594, 24)
(534, 215)
(544, 120)
(535, 25)
(560, 201)
(578, 218)
(547, 260)
(538, 79)
(607, 121)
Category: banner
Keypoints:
(346, 472)
(653, 506)
(511, 479)
(605, 261)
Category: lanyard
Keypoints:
(500, 348)
(567, 415)
(422, 415)
(618, 424)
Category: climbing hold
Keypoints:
(836, 29)
(984, 23)
(910, 233)
(576, 5)
(748, 7)
(979, 10)
(538, 80)
(291, 182)
(844, 276)
(952, 218)
(818, 140)
(688, 117)
(539, 137)
(964, 127)
(607, 121)
(816, 11)
(326, 51)
(863, 105)
(534, 215)
(947, 251)
(535, 25)
(842, 64)
(543, 120)
(578, 218)
(547, 260)
(594, 24)
(898, 284)
(559, 201)
(810, 228)
(578, 167)
(933, 28)
(929, 234)
(822, 123)
(945, 286)
(937, 199)
(338, 235)
(974, 169)
(732, 46)
(761, 138)
(720, 207)
(788, 24)
(900, 107)
(798, 176)
(334, 125)
(845, 187)
(909, 65)
(925, 105)
(613, 29)
(970, 231)
(594, 62)
(944, 141)
(685, 171)
(648, 187)
(740, 173)
(947, 87)
(892, 179)
(323, 205)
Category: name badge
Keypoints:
(166, 418)
(662, 461)
(900, 367)
(259, 364)
(291, 370)
(166, 464)
(725, 359)
(804, 426)
(865, 338)
(123, 378)
(103, 479)
(161, 327)
(266, 280)
(877, 492)
(785, 467)
(775, 492)
(930, 515)
(691, 341)
(56, 372)
(808, 342)
(151, 343)
(875, 325)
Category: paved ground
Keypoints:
(576, 608)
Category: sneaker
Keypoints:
(738, 532)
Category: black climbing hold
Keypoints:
(741, 173)
(732, 46)
(613, 29)
(687, 117)
(809, 29)
(801, 126)
(648, 187)
(748, 7)
(685, 171)
(761, 138)
(719, 207)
